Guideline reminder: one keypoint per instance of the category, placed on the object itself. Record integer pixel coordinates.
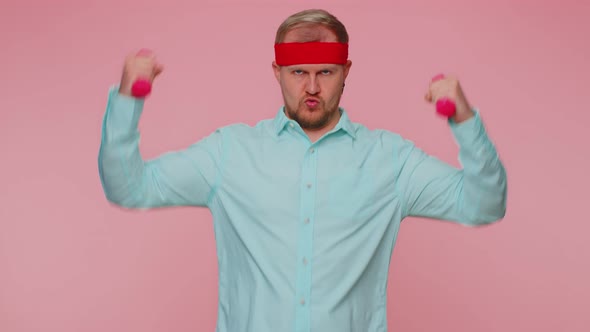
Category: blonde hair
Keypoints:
(312, 17)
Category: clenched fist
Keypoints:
(449, 87)
(140, 65)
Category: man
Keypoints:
(306, 205)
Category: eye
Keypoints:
(326, 72)
(297, 71)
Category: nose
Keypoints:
(313, 86)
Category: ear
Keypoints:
(277, 70)
(347, 68)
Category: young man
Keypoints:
(306, 205)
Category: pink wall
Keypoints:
(70, 262)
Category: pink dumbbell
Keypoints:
(142, 86)
(444, 106)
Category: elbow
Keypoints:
(120, 202)
(126, 203)
(489, 212)
(120, 196)
(118, 190)
(485, 219)
(489, 206)
(124, 198)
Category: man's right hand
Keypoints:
(140, 65)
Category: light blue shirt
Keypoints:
(304, 231)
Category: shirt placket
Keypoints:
(305, 241)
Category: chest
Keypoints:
(282, 179)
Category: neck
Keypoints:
(316, 134)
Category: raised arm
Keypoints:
(473, 195)
(185, 177)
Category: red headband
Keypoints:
(287, 54)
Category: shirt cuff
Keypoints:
(470, 131)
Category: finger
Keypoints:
(145, 52)
(437, 77)
(436, 92)
(158, 69)
(433, 87)
(145, 57)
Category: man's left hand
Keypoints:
(449, 87)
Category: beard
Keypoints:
(314, 119)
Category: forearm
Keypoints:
(121, 167)
(483, 190)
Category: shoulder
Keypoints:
(244, 131)
(383, 137)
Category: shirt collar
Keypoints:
(281, 121)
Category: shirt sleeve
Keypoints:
(473, 195)
(186, 177)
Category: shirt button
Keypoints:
(304, 261)
(291, 124)
(306, 221)
(312, 150)
(302, 301)
(309, 185)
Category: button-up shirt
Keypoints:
(304, 230)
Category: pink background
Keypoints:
(70, 262)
